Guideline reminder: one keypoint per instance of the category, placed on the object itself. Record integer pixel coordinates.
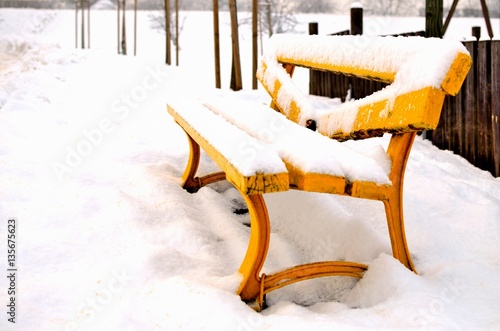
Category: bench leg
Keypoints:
(250, 287)
(254, 286)
(399, 150)
(190, 182)
(395, 223)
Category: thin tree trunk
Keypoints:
(135, 27)
(176, 32)
(215, 8)
(124, 30)
(255, 15)
(118, 27)
(236, 69)
(83, 23)
(167, 32)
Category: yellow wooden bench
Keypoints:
(260, 150)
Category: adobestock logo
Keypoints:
(250, 148)
(254, 322)
(122, 107)
(428, 315)
(103, 298)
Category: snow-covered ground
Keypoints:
(107, 240)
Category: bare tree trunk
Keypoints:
(124, 30)
(269, 21)
(215, 8)
(255, 14)
(76, 24)
(450, 14)
(83, 23)
(88, 23)
(118, 27)
(176, 32)
(167, 31)
(135, 27)
(236, 82)
(486, 15)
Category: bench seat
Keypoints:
(311, 161)
(250, 175)
(308, 155)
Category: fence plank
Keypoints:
(470, 105)
(458, 122)
(495, 105)
(484, 105)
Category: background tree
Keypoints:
(316, 6)
(158, 22)
(392, 7)
(275, 16)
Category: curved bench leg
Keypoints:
(190, 182)
(395, 223)
(399, 150)
(250, 287)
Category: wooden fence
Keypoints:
(470, 122)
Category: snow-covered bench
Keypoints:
(261, 150)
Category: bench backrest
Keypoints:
(421, 71)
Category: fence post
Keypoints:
(434, 18)
(313, 74)
(476, 32)
(313, 28)
(495, 105)
(356, 18)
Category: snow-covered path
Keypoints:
(107, 240)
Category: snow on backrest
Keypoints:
(409, 63)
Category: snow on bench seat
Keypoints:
(311, 158)
(215, 135)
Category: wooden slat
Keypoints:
(437, 135)
(470, 105)
(447, 113)
(458, 122)
(456, 74)
(483, 105)
(314, 182)
(425, 104)
(256, 184)
(356, 71)
(495, 106)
